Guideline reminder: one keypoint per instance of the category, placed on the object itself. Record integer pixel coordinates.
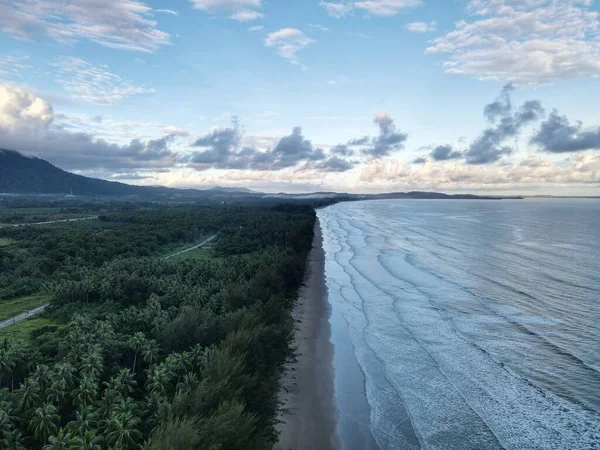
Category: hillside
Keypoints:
(20, 174)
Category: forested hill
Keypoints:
(20, 174)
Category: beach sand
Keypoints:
(308, 414)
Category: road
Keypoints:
(49, 222)
(21, 316)
(195, 247)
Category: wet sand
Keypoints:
(308, 413)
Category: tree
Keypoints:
(13, 440)
(85, 420)
(28, 394)
(137, 343)
(150, 351)
(62, 441)
(44, 422)
(122, 430)
(86, 393)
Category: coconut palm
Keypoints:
(13, 440)
(89, 441)
(137, 342)
(92, 363)
(44, 422)
(85, 420)
(150, 352)
(57, 392)
(122, 430)
(28, 394)
(86, 392)
(62, 441)
(7, 363)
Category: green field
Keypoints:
(21, 331)
(201, 254)
(16, 306)
(5, 241)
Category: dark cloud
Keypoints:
(293, 149)
(502, 107)
(359, 141)
(389, 139)
(557, 135)
(490, 146)
(83, 151)
(342, 150)
(28, 124)
(419, 160)
(445, 153)
(223, 151)
(221, 148)
(335, 164)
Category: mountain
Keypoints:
(20, 174)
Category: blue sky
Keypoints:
(146, 92)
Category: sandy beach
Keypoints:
(308, 414)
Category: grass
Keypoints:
(172, 250)
(22, 329)
(5, 242)
(201, 254)
(16, 306)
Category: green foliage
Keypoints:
(166, 354)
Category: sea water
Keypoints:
(471, 324)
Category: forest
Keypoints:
(138, 351)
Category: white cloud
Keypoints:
(384, 8)
(527, 42)
(123, 24)
(582, 169)
(94, 84)
(13, 66)
(318, 27)
(240, 10)
(167, 11)
(288, 42)
(23, 110)
(421, 27)
(256, 28)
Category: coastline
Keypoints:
(307, 415)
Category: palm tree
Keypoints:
(158, 380)
(62, 441)
(28, 394)
(150, 351)
(123, 382)
(91, 363)
(89, 441)
(64, 372)
(13, 440)
(85, 420)
(57, 392)
(44, 422)
(7, 363)
(122, 430)
(86, 392)
(137, 342)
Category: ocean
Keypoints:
(465, 324)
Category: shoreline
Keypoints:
(307, 416)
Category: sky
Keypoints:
(491, 96)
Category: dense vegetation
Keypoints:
(142, 352)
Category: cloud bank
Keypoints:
(526, 42)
